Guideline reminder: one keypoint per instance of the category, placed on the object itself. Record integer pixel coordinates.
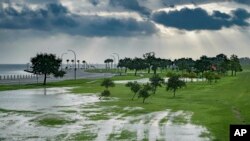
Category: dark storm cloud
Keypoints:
(199, 19)
(31, 1)
(94, 2)
(130, 5)
(243, 1)
(56, 18)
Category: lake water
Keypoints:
(13, 69)
(82, 110)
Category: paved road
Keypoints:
(69, 75)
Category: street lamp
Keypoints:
(118, 57)
(75, 61)
(62, 59)
(113, 58)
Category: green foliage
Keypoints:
(210, 76)
(134, 87)
(235, 64)
(105, 93)
(171, 74)
(192, 75)
(144, 92)
(156, 81)
(107, 82)
(46, 64)
(174, 83)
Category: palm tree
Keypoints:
(134, 87)
(72, 61)
(106, 63)
(84, 64)
(67, 63)
(155, 82)
(175, 83)
(111, 63)
(78, 61)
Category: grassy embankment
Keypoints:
(214, 106)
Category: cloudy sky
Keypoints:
(97, 28)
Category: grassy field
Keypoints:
(214, 106)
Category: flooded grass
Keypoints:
(52, 120)
(74, 113)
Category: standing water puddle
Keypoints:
(146, 80)
(56, 114)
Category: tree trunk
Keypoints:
(154, 71)
(126, 69)
(174, 93)
(133, 96)
(143, 100)
(154, 90)
(232, 73)
(135, 72)
(149, 69)
(45, 77)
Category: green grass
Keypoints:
(214, 106)
(53, 121)
(17, 111)
(124, 135)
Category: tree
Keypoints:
(149, 58)
(47, 64)
(126, 63)
(155, 64)
(137, 64)
(144, 92)
(174, 83)
(191, 75)
(84, 64)
(210, 76)
(202, 65)
(67, 63)
(107, 82)
(78, 61)
(235, 65)
(72, 61)
(134, 87)
(222, 63)
(156, 81)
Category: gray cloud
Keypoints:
(56, 18)
(199, 19)
(243, 1)
(94, 2)
(130, 5)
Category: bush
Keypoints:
(105, 93)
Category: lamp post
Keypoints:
(62, 60)
(118, 57)
(75, 61)
(113, 58)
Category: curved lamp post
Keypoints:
(118, 57)
(113, 58)
(75, 61)
(62, 59)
